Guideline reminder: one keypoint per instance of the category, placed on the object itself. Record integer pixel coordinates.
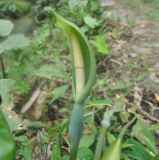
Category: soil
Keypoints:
(144, 43)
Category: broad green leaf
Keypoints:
(77, 3)
(84, 153)
(59, 92)
(143, 133)
(87, 140)
(7, 144)
(6, 27)
(138, 151)
(100, 43)
(13, 42)
(65, 157)
(27, 153)
(48, 71)
(6, 85)
(90, 21)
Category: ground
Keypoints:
(144, 43)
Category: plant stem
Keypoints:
(73, 153)
(2, 67)
(121, 135)
(76, 129)
(100, 144)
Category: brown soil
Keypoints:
(144, 43)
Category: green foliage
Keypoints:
(49, 71)
(150, 8)
(113, 152)
(87, 140)
(90, 21)
(6, 27)
(76, 3)
(5, 88)
(13, 42)
(102, 46)
(7, 143)
(143, 133)
(84, 153)
(138, 151)
(59, 92)
(14, 7)
(27, 153)
(24, 150)
(56, 151)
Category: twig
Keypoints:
(31, 100)
(144, 113)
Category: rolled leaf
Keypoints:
(84, 71)
(114, 151)
(83, 60)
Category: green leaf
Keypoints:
(56, 151)
(27, 153)
(13, 42)
(6, 85)
(65, 157)
(111, 138)
(118, 106)
(101, 45)
(48, 71)
(138, 151)
(59, 92)
(77, 3)
(5, 27)
(142, 131)
(87, 140)
(7, 144)
(90, 21)
(84, 153)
